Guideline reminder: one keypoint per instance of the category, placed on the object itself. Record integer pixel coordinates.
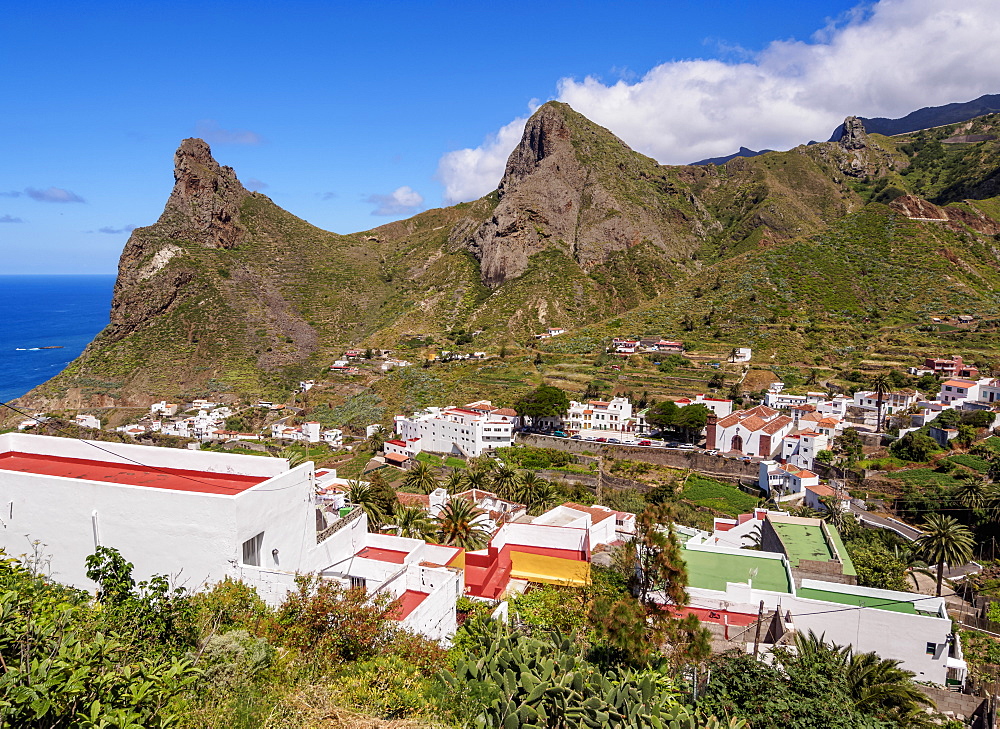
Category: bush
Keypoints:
(386, 686)
(235, 657)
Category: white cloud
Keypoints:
(401, 201)
(888, 59)
(471, 173)
(53, 194)
(211, 132)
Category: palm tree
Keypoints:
(455, 482)
(477, 479)
(527, 488)
(944, 541)
(421, 477)
(378, 438)
(413, 522)
(974, 493)
(457, 525)
(914, 565)
(879, 685)
(505, 481)
(294, 456)
(881, 385)
(363, 495)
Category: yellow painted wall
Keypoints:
(552, 570)
(459, 560)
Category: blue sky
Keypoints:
(353, 114)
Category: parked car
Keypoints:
(687, 446)
(602, 440)
(575, 437)
(613, 440)
(645, 442)
(711, 453)
(558, 434)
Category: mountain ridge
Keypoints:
(228, 295)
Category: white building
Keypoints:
(892, 402)
(615, 415)
(163, 408)
(494, 511)
(727, 585)
(720, 406)
(200, 517)
(965, 393)
(800, 449)
(469, 431)
(754, 432)
(604, 526)
(785, 481)
(87, 421)
(742, 354)
(306, 433)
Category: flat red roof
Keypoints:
(126, 473)
(383, 555)
(408, 602)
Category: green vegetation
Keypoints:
(721, 497)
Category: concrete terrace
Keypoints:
(711, 570)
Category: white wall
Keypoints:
(195, 538)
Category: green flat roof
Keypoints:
(712, 570)
(881, 603)
(806, 541)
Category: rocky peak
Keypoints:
(205, 202)
(572, 185)
(542, 136)
(854, 136)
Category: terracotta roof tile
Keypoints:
(777, 424)
(753, 423)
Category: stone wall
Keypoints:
(725, 469)
(958, 705)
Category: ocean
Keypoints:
(47, 311)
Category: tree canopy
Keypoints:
(543, 401)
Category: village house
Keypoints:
(87, 421)
(719, 406)
(604, 526)
(495, 511)
(786, 482)
(892, 402)
(800, 449)
(306, 433)
(163, 408)
(754, 432)
(953, 367)
(200, 517)
(804, 577)
(614, 415)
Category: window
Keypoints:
(931, 649)
(358, 583)
(251, 550)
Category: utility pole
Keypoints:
(756, 637)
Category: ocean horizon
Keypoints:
(48, 310)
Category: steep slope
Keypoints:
(229, 295)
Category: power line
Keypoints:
(234, 489)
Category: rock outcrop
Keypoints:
(572, 184)
(204, 210)
(854, 136)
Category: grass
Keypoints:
(721, 497)
(924, 477)
(441, 462)
(969, 461)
